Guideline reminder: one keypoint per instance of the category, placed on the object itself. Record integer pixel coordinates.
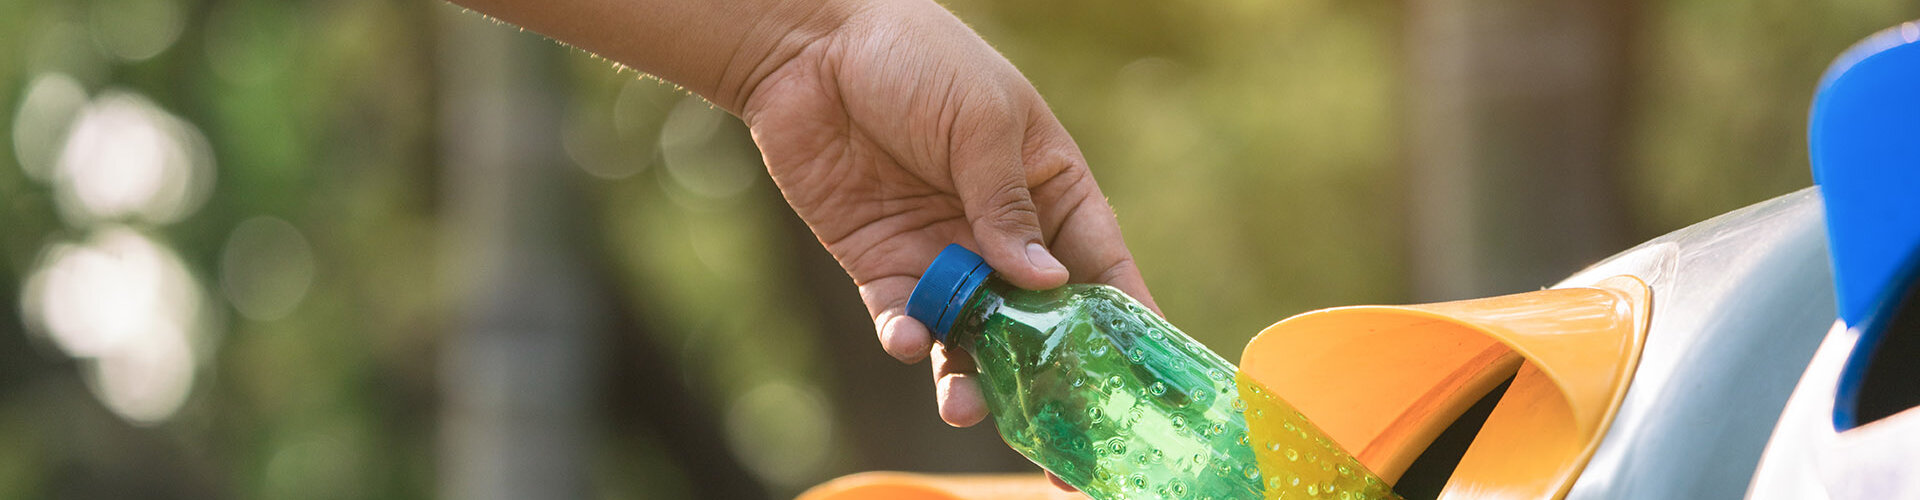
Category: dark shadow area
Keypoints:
(1428, 474)
(1892, 381)
(647, 400)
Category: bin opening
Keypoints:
(1427, 476)
(1890, 383)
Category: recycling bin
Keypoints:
(1660, 372)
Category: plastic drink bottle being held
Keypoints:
(1092, 386)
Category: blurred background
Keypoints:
(390, 249)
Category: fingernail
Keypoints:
(1038, 256)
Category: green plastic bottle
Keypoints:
(1090, 385)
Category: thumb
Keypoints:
(992, 184)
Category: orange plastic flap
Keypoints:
(1383, 381)
(906, 486)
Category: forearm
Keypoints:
(719, 49)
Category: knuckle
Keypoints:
(1057, 162)
(1119, 269)
(985, 112)
(1010, 210)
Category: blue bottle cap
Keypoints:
(944, 289)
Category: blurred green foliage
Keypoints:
(1251, 149)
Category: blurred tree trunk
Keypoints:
(516, 368)
(648, 401)
(1515, 141)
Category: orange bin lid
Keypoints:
(1383, 381)
(909, 486)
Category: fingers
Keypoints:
(901, 336)
(956, 384)
(991, 179)
(1060, 483)
(956, 389)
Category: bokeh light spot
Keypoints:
(64, 47)
(705, 150)
(313, 465)
(126, 305)
(638, 108)
(125, 157)
(135, 30)
(599, 153)
(40, 123)
(146, 379)
(266, 268)
(782, 432)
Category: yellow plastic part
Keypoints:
(906, 486)
(1384, 380)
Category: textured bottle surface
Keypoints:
(1087, 383)
(1298, 460)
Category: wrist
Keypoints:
(774, 37)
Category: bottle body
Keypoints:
(1088, 384)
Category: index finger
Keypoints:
(1085, 236)
(1079, 226)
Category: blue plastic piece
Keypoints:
(949, 281)
(1864, 145)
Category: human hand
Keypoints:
(902, 131)
(892, 129)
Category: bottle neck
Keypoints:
(972, 317)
